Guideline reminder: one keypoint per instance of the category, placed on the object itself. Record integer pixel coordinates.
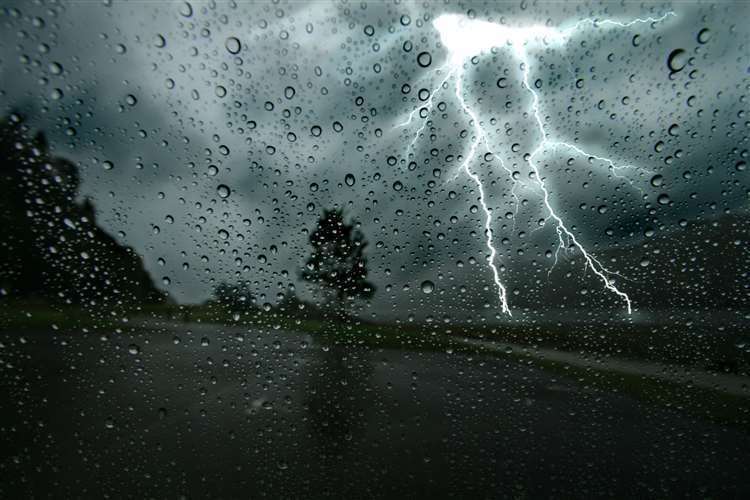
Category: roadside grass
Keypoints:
(34, 316)
(698, 402)
(714, 351)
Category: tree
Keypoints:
(337, 264)
(51, 246)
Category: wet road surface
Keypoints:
(201, 411)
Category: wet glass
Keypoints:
(368, 249)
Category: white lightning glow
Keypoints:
(465, 38)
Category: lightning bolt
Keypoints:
(465, 38)
(479, 137)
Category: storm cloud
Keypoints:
(294, 107)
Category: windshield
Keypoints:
(374, 249)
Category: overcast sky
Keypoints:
(281, 101)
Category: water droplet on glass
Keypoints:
(424, 59)
(233, 45)
(704, 35)
(223, 191)
(677, 60)
(186, 9)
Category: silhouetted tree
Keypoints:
(337, 264)
(50, 245)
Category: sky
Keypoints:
(296, 107)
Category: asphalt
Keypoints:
(201, 411)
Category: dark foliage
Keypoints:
(51, 246)
(337, 264)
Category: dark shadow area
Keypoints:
(52, 248)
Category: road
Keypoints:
(205, 411)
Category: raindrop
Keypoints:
(676, 60)
(186, 10)
(349, 180)
(233, 45)
(428, 286)
(704, 35)
(223, 191)
(424, 59)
